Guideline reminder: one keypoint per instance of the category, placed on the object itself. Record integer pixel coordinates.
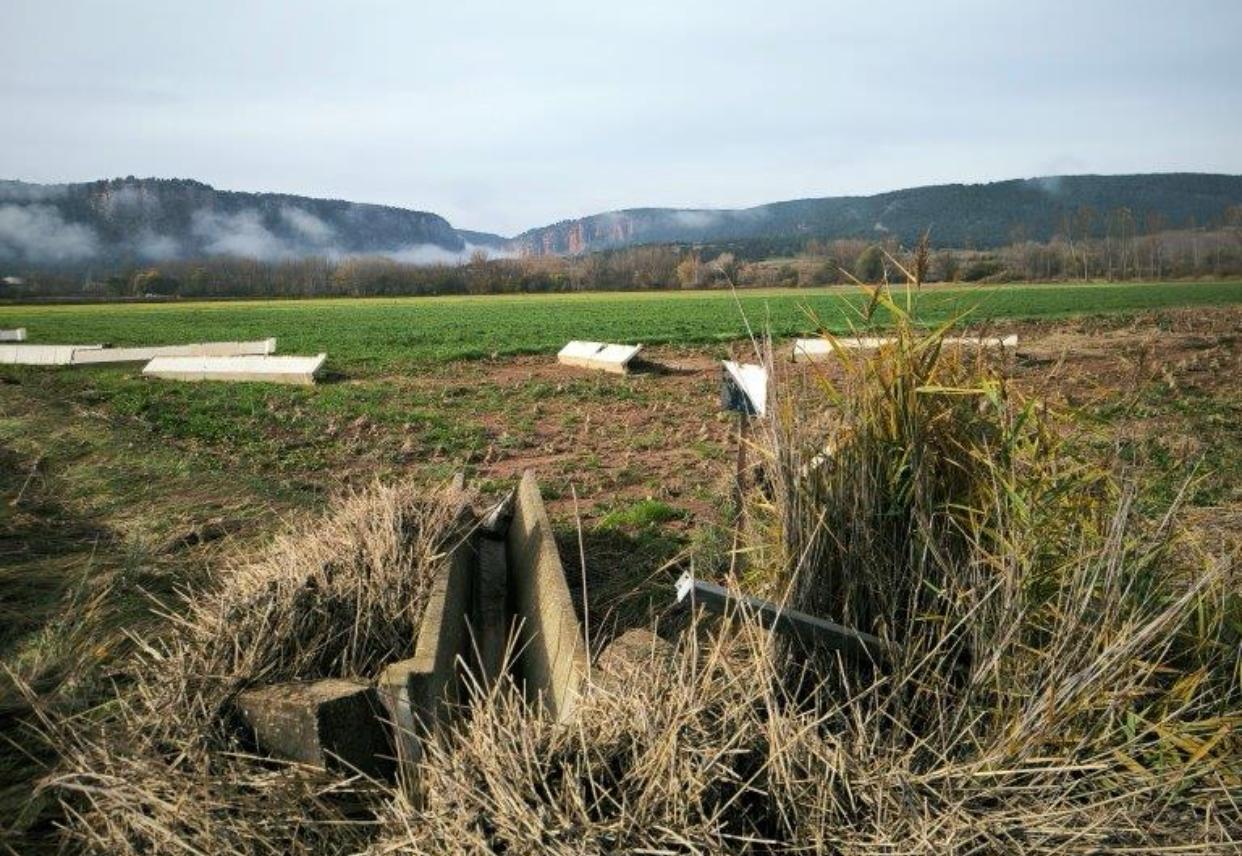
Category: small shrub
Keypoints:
(870, 265)
(982, 269)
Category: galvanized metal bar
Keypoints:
(811, 631)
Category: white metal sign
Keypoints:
(744, 388)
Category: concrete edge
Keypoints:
(554, 657)
(27, 354)
(258, 348)
(419, 692)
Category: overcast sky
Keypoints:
(506, 115)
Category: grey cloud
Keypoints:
(37, 233)
(308, 226)
(244, 234)
(696, 219)
(241, 234)
(21, 191)
(129, 199)
(430, 254)
(156, 247)
(1050, 184)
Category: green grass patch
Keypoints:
(643, 514)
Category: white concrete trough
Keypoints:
(265, 369)
(820, 349)
(42, 355)
(18, 335)
(599, 355)
(1001, 342)
(262, 347)
(744, 388)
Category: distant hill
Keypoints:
(959, 215)
(136, 220)
(131, 221)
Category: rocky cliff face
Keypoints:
(150, 220)
(982, 215)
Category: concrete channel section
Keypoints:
(267, 369)
(820, 349)
(18, 335)
(261, 347)
(331, 724)
(19, 352)
(500, 586)
(554, 656)
(418, 693)
(598, 355)
(809, 629)
(24, 354)
(1010, 341)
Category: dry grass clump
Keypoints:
(1046, 626)
(702, 753)
(716, 752)
(161, 768)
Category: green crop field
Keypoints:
(385, 334)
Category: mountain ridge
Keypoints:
(127, 221)
(960, 214)
(134, 220)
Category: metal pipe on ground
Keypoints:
(808, 629)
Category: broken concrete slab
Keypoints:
(265, 369)
(744, 388)
(418, 692)
(261, 347)
(617, 356)
(18, 335)
(634, 655)
(577, 353)
(599, 355)
(42, 355)
(333, 724)
(554, 657)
